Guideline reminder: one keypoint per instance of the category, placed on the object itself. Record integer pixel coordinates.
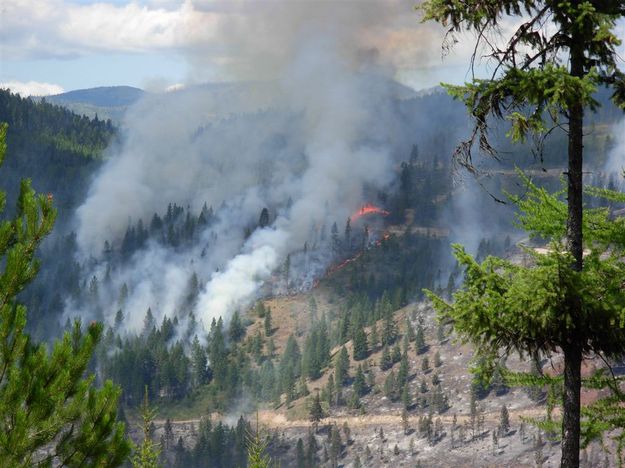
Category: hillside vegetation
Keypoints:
(57, 149)
(356, 370)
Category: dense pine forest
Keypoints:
(57, 149)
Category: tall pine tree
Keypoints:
(543, 77)
(46, 400)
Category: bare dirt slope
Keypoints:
(458, 442)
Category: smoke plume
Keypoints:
(308, 141)
(615, 164)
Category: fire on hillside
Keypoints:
(368, 209)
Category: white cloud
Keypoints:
(31, 88)
(58, 28)
(206, 31)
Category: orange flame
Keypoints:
(342, 265)
(368, 209)
(333, 269)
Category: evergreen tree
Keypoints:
(338, 394)
(402, 376)
(236, 330)
(538, 323)
(390, 386)
(544, 76)
(263, 220)
(440, 402)
(119, 320)
(257, 347)
(323, 343)
(330, 390)
(199, 363)
(316, 411)
(405, 396)
(302, 390)
(420, 346)
(396, 354)
(437, 359)
(268, 324)
(347, 239)
(256, 450)
(374, 339)
(289, 388)
(291, 358)
(271, 348)
(148, 322)
(361, 348)
(360, 386)
(389, 330)
(316, 350)
(147, 454)
(409, 331)
(260, 309)
(45, 400)
(341, 366)
(386, 362)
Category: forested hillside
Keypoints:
(108, 102)
(59, 151)
(56, 148)
(359, 342)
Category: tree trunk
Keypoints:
(572, 350)
(575, 192)
(571, 413)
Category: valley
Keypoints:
(312, 234)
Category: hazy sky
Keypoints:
(50, 46)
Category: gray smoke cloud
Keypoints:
(615, 164)
(310, 144)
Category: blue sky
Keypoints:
(50, 46)
(107, 69)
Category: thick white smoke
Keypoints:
(308, 144)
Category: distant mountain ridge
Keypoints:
(103, 96)
(105, 102)
(111, 102)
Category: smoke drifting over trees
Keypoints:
(308, 144)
